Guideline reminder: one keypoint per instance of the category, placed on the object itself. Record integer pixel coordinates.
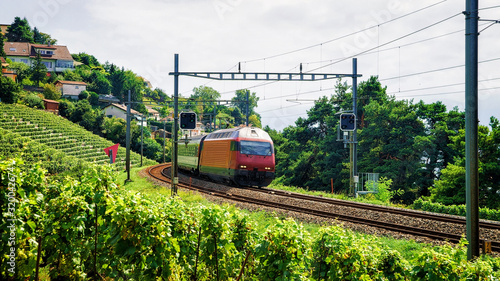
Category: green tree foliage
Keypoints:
(37, 36)
(33, 101)
(240, 101)
(70, 75)
(93, 98)
(392, 143)
(83, 95)
(38, 70)
(88, 60)
(19, 31)
(450, 188)
(21, 69)
(9, 90)
(66, 108)
(81, 107)
(99, 83)
(2, 51)
(51, 92)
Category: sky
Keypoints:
(416, 48)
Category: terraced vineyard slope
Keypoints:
(63, 135)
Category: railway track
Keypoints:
(158, 172)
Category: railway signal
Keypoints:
(188, 120)
(348, 122)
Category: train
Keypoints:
(242, 156)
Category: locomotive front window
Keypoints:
(256, 148)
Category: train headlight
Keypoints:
(243, 167)
(268, 168)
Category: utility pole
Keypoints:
(142, 137)
(164, 136)
(248, 113)
(127, 155)
(175, 127)
(471, 127)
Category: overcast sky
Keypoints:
(277, 36)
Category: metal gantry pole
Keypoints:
(175, 127)
(471, 128)
(355, 111)
(127, 155)
(247, 106)
(142, 137)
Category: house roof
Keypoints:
(24, 49)
(151, 111)
(63, 82)
(51, 101)
(123, 108)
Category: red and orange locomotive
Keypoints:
(244, 156)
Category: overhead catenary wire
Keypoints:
(344, 36)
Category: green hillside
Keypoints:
(63, 135)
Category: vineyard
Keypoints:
(60, 134)
(84, 227)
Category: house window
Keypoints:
(12, 49)
(76, 87)
(24, 61)
(48, 64)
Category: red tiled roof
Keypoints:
(25, 49)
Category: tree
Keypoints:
(21, 69)
(66, 109)
(37, 36)
(94, 98)
(38, 70)
(9, 90)
(99, 83)
(19, 31)
(81, 107)
(240, 101)
(83, 95)
(51, 92)
(2, 51)
(86, 59)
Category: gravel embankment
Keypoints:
(373, 215)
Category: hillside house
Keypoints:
(56, 58)
(120, 111)
(71, 89)
(153, 113)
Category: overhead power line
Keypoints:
(344, 36)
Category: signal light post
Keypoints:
(188, 120)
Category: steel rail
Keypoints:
(158, 172)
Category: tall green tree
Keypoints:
(240, 101)
(37, 36)
(19, 31)
(38, 70)
(392, 144)
(450, 188)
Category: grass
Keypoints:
(262, 220)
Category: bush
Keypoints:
(458, 210)
(51, 92)
(34, 101)
(9, 90)
(83, 95)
